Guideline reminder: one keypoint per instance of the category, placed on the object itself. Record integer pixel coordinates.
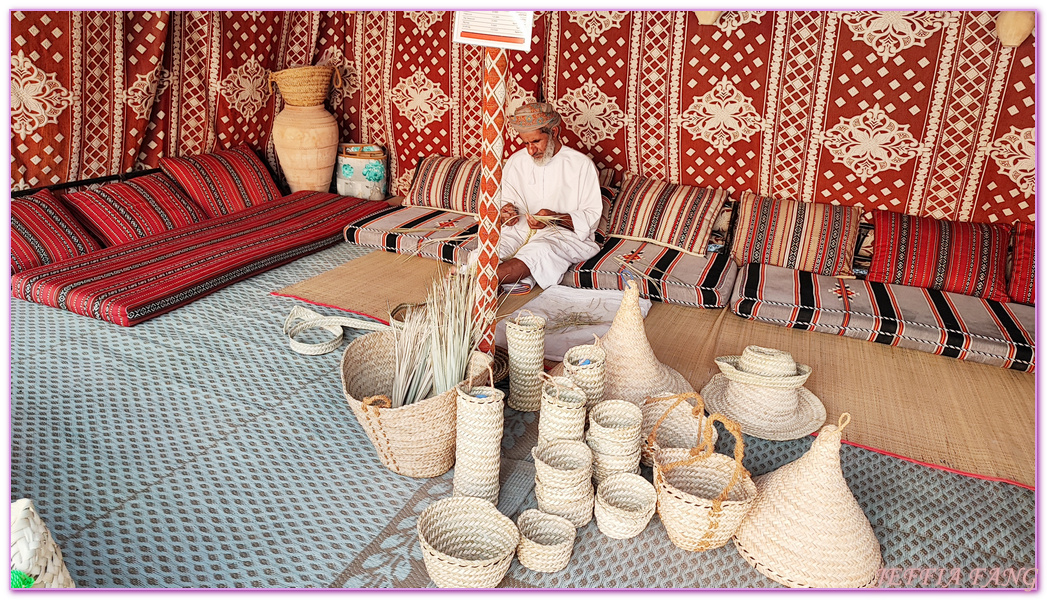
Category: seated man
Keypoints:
(545, 179)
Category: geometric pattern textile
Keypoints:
(966, 258)
(664, 274)
(1022, 286)
(806, 236)
(141, 279)
(440, 235)
(223, 181)
(944, 323)
(678, 216)
(137, 208)
(917, 112)
(447, 184)
(44, 232)
(180, 448)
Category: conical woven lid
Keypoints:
(632, 371)
(805, 528)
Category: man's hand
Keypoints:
(562, 220)
(508, 216)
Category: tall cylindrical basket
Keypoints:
(479, 444)
(585, 366)
(525, 338)
(562, 411)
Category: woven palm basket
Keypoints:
(466, 542)
(805, 528)
(625, 503)
(703, 496)
(562, 415)
(546, 541)
(34, 550)
(682, 425)
(525, 340)
(416, 440)
(632, 371)
(478, 447)
(588, 377)
(304, 86)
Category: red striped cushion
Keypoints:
(446, 183)
(805, 236)
(1022, 287)
(965, 258)
(224, 181)
(44, 232)
(143, 206)
(673, 215)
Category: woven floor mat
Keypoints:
(374, 284)
(956, 414)
(196, 450)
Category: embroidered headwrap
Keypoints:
(534, 116)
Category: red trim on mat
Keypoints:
(934, 466)
(355, 312)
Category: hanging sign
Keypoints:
(509, 29)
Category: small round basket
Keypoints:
(617, 422)
(563, 463)
(546, 541)
(304, 86)
(589, 376)
(562, 414)
(576, 508)
(605, 465)
(624, 506)
(466, 542)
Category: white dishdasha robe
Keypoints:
(568, 183)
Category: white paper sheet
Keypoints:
(559, 300)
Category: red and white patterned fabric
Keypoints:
(917, 112)
(136, 281)
(224, 181)
(139, 207)
(966, 258)
(44, 232)
(677, 216)
(808, 236)
(668, 275)
(1022, 287)
(446, 183)
(956, 325)
(440, 235)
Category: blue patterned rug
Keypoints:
(198, 450)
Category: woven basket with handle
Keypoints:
(416, 440)
(466, 542)
(682, 425)
(703, 496)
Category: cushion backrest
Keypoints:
(806, 236)
(673, 215)
(1022, 286)
(965, 258)
(44, 232)
(446, 183)
(223, 181)
(139, 207)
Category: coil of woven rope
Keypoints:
(313, 320)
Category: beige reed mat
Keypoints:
(375, 283)
(961, 415)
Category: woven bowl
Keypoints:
(304, 86)
(546, 541)
(617, 422)
(578, 511)
(466, 542)
(624, 505)
(562, 463)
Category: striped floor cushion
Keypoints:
(136, 281)
(669, 275)
(439, 233)
(945, 323)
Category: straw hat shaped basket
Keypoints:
(34, 550)
(805, 528)
(466, 542)
(703, 496)
(305, 86)
(632, 371)
(416, 440)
